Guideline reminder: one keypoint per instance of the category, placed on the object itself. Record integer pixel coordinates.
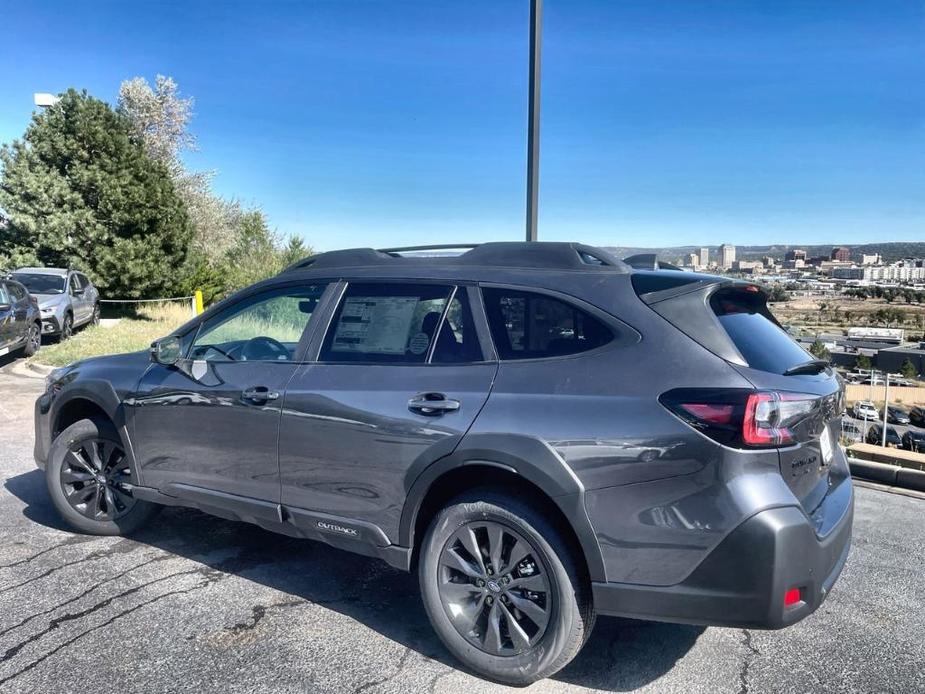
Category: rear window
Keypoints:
(759, 339)
(525, 325)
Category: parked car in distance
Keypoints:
(917, 416)
(875, 436)
(851, 431)
(20, 322)
(67, 298)
(914, 440)
(896, 415)
(865, 409)
(497, 421)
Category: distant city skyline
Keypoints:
(383, 124)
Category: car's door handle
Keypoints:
(432, 404)
(259, 394)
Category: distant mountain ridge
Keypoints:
(891, 251)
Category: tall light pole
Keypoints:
(533, 117)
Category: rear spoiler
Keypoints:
(649, 261)
(684, 300)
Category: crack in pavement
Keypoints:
(72, 540)
(210, 575)
(86, 592)
(259, 612)
(121, 547)
(746, 663)
(71, 616)
(208, 580)
(402, 662)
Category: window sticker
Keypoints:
(419, 343)
(377, 324)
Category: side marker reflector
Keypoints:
(791, 597)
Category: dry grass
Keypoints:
(130, 334)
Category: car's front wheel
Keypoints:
(67, 328)
(503, 588)
(89, 478)
(33, 340)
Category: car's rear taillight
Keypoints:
(743, 418)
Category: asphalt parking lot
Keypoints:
(197, 604)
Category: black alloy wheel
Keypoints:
(495, 588)
(95, 479)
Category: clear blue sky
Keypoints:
(393, 122)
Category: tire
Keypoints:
(33, 340)
(565, 605)
(68, 474)
(67, 328)
(95, 317)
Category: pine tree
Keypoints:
(79, 190)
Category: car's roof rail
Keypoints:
(513, 254)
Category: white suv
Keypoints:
(864, 409)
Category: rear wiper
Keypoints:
(813, 366)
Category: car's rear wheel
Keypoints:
(95, 318)
(33, 340)
(89, 478)
(503, 588)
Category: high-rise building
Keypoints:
(841, 253)
(795, 254)
(727, 255)
(693, 260)
(704, 257)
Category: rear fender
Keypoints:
(530, 458)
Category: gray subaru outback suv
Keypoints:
(66, 297)
(541, 431)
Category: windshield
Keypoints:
(40, 283)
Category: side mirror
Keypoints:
(166, 351)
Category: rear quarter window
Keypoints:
(760, 340)
(528, 325)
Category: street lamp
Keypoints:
(533, 117)
(44, 100)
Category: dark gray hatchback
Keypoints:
(542, 431)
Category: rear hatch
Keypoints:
(798, 401)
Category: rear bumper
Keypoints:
(742, 582)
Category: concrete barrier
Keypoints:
(910, 479)
(889, 456)
(874, 472)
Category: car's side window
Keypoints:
(4, 294)
(528, 325)
(16, 292)
(84, 282)
(457, 341)
(263, 327)
(387, 323)
(74, 284)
